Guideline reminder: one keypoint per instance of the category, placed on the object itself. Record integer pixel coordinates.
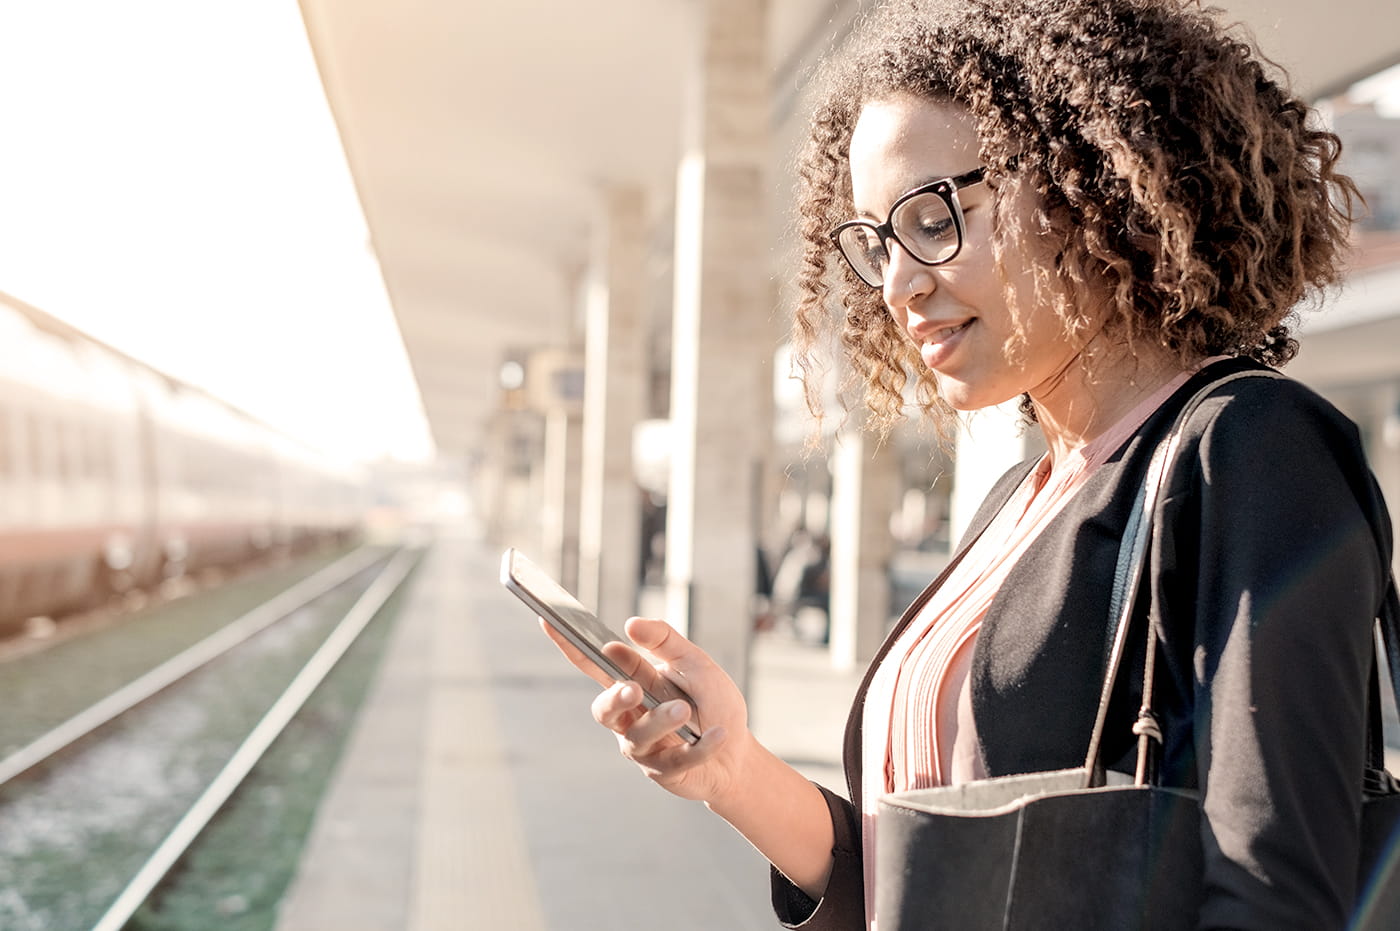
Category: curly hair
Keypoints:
(1188, 198)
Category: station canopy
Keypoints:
(479, 134)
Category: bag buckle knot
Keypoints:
(1147, 725)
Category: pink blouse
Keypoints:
(918, 726)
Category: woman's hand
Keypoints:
(706, 771)
(765, 799)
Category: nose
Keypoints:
(907, 282)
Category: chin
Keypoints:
(963, 397)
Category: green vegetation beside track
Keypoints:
(240, 867)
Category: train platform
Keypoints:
(477, 793)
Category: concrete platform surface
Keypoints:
(477, 792)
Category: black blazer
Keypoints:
(1268, 566)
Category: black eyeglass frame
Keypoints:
(947, 191)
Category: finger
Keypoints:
(639, 669)
(628, 659)
(666, 644)
(618, 707)
(576, 656)
(674, 759)
(657, 728)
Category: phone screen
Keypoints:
(580, 626)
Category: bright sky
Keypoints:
(171, 181)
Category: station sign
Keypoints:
(554, 380)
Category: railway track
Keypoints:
(97, 811)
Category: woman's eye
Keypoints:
(935, 229)
(871, 247)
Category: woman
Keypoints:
(1096, 206)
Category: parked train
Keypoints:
(115, 476)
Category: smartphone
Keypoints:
(580, 626)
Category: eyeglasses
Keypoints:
(927, 223)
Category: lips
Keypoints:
(941, 344)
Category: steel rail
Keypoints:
(258, 741)
(186, 662)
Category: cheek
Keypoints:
(978, 275)
(979, 285)
(894, 315)
(1019, 295)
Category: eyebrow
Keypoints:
(867, 215)
(960, 181)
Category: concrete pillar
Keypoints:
(614, 402)
(563, 454)
(990, 442)
(554, 387)
(864, 494)
(489, 481)
(495, 478)
(721, 393)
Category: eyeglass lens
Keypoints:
(923, 225)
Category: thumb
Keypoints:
(653, 634)
(666, 644)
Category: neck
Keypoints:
(1077, 404)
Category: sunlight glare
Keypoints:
(172, 182)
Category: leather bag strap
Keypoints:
(1389, 624)
(1127, 580)
(1378, 781)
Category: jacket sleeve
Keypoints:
(842, 906)
(1284, 548)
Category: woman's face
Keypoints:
(956, 313)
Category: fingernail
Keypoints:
(676, 711)
(626, 693)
